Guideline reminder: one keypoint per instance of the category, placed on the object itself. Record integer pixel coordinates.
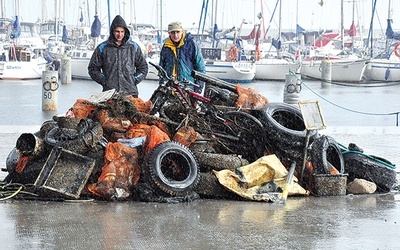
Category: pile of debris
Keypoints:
(109, 147)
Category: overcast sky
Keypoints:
(309, 13)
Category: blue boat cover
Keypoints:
(65, 37)
(96, 27)
(390, 34)
(16, 32)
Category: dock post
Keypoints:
(50, 89)
(66, 70)
(326, 72)
(291, 93)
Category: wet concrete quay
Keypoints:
(346, 222)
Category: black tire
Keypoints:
(171, 169)
(362, 166)
(326, 152)
(284, 125)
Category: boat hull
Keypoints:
(233, 72)
(274, 69)
(20, 70)
(79, 68)
(341, 71)
(382, 70)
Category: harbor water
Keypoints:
(341, 105)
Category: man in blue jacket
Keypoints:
(118, 63)
(180, 55)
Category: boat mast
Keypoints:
(279, 28)
(96, 13)
(352, 37)
(2, 9)
(161, 16)
(17, 8)
(342, 25)
(133, 10)
(56, 19)
(387, 45)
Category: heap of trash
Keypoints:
(242, 147)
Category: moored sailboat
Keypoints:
(22, 59)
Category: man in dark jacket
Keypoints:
(180, 55)
(118, 63)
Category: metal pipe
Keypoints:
(212, 80)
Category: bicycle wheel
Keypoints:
(249, 130)
(158, 99)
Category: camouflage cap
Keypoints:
(175, 26)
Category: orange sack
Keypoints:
(121, 172)
(186, 136)
(140, 105)
(82, 109)
(154, 137)
(250, 99)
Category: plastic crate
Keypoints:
(64, 174)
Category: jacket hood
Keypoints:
(119, 22)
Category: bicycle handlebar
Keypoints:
(163, 74)
(187, 82)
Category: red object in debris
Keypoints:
(21, 163)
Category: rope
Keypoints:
(12, 195)
(350, 110)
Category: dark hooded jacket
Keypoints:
(118, 67)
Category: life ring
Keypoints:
(233, 53)
(396, 50)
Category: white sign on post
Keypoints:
(312, 115)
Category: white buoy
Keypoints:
(50, 89)
(326, 72)
(291, 93)
(65, 68)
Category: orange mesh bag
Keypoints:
(140, 105)
(334, 170)
(163, 127)
(186, 136)
(112, 124)
(82, 109)
(250, 99)
(151, 121)
(154, 137)
(137, 130)
(121, 172)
